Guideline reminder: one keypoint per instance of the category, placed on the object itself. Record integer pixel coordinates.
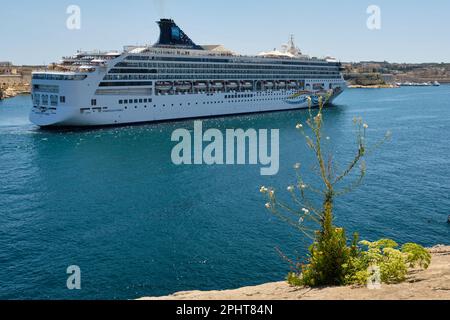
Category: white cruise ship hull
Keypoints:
(183, 106)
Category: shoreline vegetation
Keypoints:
(334, 259)
(430, 284)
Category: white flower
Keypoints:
(366, 126)
(291, 189)
(305, 211)
(268, 205)
(271, 193)
(263, 190)
(299, 126)
(300, 221)
(297, 166)
(303, 186)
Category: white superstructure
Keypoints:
(176, 79)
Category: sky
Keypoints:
(35, 32)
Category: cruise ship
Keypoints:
(178, 79)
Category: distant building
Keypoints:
(6, 68)
(388, 78)
(11, 75)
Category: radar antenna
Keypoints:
(292, 48)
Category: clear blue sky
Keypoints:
(34, 32)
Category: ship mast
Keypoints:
(292, 48)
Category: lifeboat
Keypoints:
(281, 84)
(200, 85)
(217, 85)
(293, 84)
(183, 86)
(247, 85)
(232, 85)
(164, 86)
(268, 84)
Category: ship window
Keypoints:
(140, 100)
(37, 99)
(135, 100)
(93, 102)
(62, 99)
(45, 100)
(53, 100)
(120, 101)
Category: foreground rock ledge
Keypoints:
(431, 284)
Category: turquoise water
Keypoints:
(112, 202)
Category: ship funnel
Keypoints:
(172, 36)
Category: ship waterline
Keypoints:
(177, 79)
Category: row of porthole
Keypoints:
(264, 99)
(154, 106)
(216, 102)
(208, 102)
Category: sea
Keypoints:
(111, 202)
